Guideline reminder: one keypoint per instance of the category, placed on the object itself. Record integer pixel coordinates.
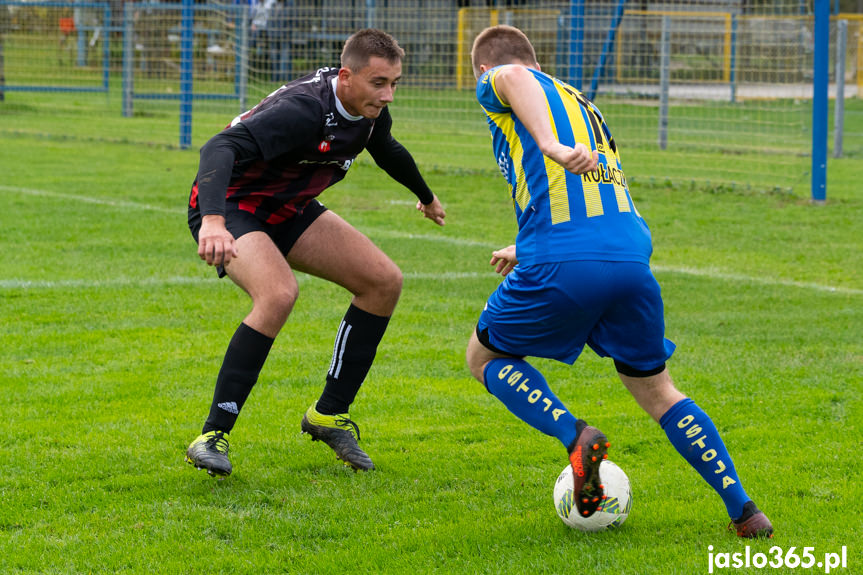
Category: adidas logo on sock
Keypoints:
(230, 407)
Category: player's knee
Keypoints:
(388, 282)
(476, 357)
(279, 300)
(475, 365)
(477, 369)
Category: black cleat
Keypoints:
(210, 451)
(341, 434)
(753, 524)
(585, 454)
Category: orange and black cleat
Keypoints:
(753, 524)
(585, 455)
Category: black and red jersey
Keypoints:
(302, 142)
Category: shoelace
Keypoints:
(218, 439)
(343, 421)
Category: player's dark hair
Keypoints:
(365, 44)
(500, 45)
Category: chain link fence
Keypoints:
(736, 76)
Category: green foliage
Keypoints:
(113, 332)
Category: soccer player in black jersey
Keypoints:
(254, 213)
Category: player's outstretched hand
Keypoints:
(433, 211)
(504, 259)
(216, 245)
(578, 160)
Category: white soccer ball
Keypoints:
(612, 512)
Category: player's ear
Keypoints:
(345, 76)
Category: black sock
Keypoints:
(353, 353)
(243, 361)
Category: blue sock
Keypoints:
(693, 434)
(524, 391)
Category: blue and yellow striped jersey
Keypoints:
(562, 216)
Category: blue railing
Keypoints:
(81, 46)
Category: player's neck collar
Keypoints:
(339, 106)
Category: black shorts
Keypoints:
(240, 222)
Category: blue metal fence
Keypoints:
(304, 32)
(79, 29)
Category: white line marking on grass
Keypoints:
(12, 284)
(709, 273)
(18, 284)
(382, 233)
(449, 276)
(740, 278)
(89, 200)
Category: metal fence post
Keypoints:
(576, 43)
(606, 48)
(243, 58)
(732, 80)
(187, 55)
(664, 81)
(106, 48)
(839, 107)
(370, 14)
(821, 65)
(2, 62)
(128, 59)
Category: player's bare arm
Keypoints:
(504, 260)
(518, 88)
(433, 211)
(216, 245)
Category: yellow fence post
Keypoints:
(726, 50)
(860, 63)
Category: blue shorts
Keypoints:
(552, 310)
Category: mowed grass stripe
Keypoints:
(710, 273)
(24, 284)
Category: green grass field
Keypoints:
(113, 331)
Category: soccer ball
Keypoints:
(611, 513)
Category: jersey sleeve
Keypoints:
(289, 123)
(487, 95)
(217, 160)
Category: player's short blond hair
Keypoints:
(500, 45)
(367, 43)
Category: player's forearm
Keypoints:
(396, 161)
(214, 174)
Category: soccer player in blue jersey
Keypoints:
(578, 274)
(254, 213)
